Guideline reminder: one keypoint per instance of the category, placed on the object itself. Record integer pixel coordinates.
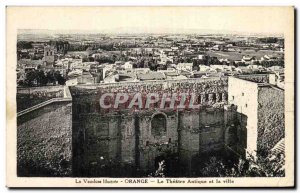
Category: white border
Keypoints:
(3, 4)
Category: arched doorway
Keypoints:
(159, 125)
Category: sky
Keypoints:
(265, 20)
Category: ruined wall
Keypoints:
(125, 139)
(212, 129)
(207, 92)
(152, 146)
(189, 137)
(128, 139)
(44, 141)
(205, 132)
(270, 117)
(97, 138)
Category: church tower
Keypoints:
(49, 55)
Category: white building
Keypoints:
(185, 66)
(203, 68)
(128, 65)
(201, 57)
(248, 60)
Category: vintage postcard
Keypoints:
(150, 97)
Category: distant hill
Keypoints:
(137, 30)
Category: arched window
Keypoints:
(158, 125)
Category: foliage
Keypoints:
(160, 172)
(39, 78)
(268, 40)
(272, 63)
(271, 166)
(24, 45)
(35, 77)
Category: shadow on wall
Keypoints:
(235, 144)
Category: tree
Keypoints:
(41, 78)
(24, 45)
(30, 77)
(153, 66)
(50, 77)
(58, 77)
(270, 166)
(195, 65)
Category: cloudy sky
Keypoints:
(266, 20)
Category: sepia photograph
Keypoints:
(150, 96)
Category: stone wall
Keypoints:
(258, 78)
(126, 139)
(62, 136)
(152, 146)
(270, 117)
(212, 130)
(44, 143)
(35, 91)
(244, 94)
(28, 97)
(207, 92)
(260, 108)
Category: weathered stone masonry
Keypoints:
(75, 137)
(131, 138)
(44, 141)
